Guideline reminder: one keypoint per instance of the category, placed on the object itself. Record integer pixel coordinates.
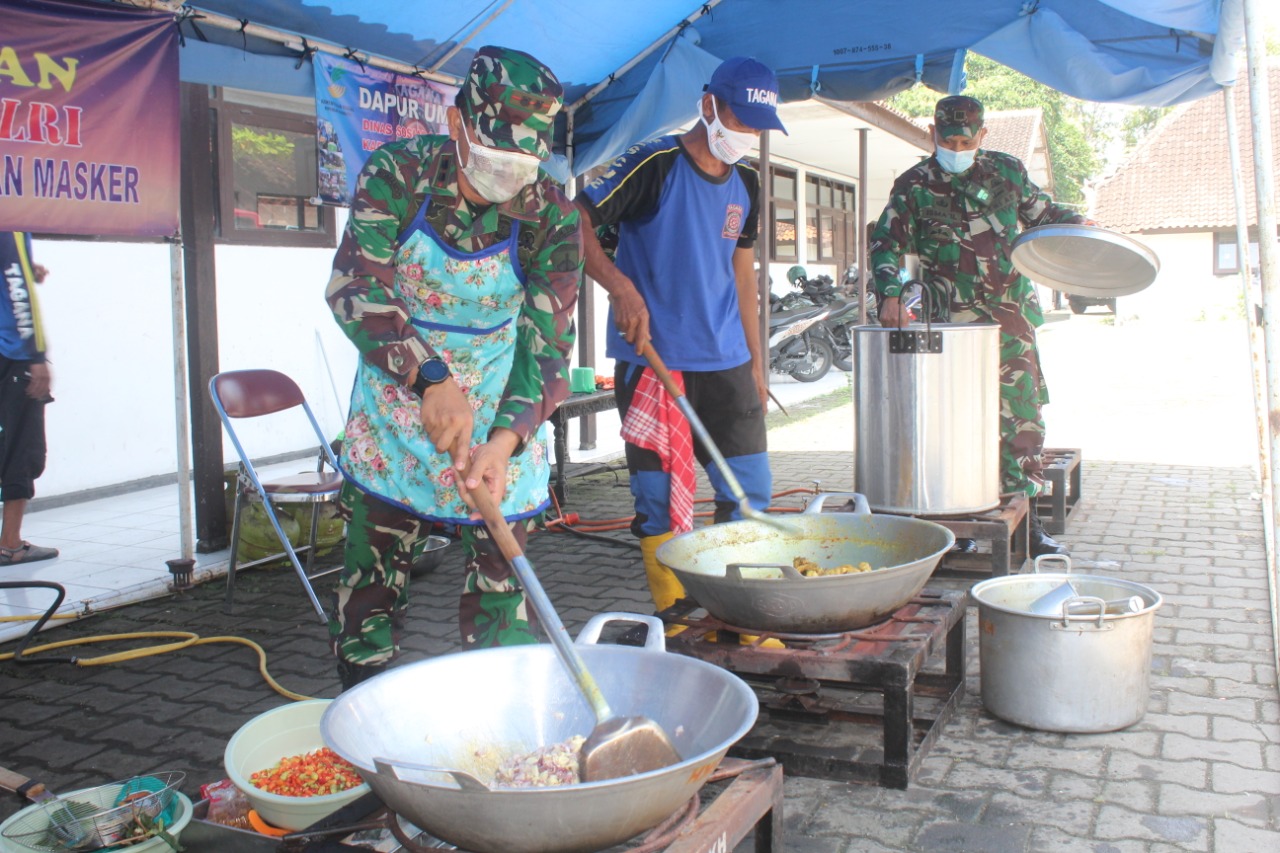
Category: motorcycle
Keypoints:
(798, 343)
(845, 314)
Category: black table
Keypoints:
(588, 403)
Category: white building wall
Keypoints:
(108, 315)
(1186, 287)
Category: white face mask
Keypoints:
(954, 162)
(728, 146)
(498, 175)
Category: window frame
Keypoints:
(843, 218)
(784, 203)
(227, 113)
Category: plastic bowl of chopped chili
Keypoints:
(280, 762)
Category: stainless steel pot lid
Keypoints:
(1084, 260)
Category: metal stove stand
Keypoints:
(745, 801)
(822, 697)
(1062, 477)
(1002, 535)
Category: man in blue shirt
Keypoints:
(24, 391)
(685, 210)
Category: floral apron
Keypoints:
(466, 306)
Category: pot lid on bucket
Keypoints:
(1084, 260)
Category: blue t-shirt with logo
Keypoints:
(677, 230)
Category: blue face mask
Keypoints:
(955, 162)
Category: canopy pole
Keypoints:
(1264, 187)
(1257, 346)
(479, 28)
(704, 9)
(290, 40)
(178, 301)
(864, 250)
(765, 242)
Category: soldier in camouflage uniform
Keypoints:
(456, 280)
(960, 211)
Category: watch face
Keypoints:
(434, 370)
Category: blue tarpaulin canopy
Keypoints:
(632, 69)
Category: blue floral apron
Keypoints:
(466, 307)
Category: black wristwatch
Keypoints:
(431, 372)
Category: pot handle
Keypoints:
(655, 639)
(1083, 601)
(1052, 558)
(860, 505)
(733, 571)
(464, 780)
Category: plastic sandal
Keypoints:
(28, 553)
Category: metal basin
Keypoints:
(468, 711)
(903, 552)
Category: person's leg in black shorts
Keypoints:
(22, 458)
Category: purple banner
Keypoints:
(89, 119)
(359, 109)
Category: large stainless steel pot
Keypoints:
(927, 424)
(1086, 668)
(903, 552)
(466, 712)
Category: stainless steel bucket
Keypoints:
(1085, 669)
(927, 424)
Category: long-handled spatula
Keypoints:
(617, 746)
(695, 423)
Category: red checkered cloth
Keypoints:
(654, 421)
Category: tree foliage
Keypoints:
(1073, 127)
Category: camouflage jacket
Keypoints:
(963, 228)
(392, 187)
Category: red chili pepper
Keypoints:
(311, 774)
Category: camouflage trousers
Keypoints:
(1023, 393)
(371, 597)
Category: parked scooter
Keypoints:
(845, 314)
(798, 342)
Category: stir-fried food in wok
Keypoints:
(544, 767)
(810, 569)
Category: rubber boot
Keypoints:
(663, 585)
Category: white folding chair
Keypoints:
(242, 394)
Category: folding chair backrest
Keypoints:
(252, 393)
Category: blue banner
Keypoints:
(359, 109)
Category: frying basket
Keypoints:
(104, 816)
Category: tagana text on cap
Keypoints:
(750, 88)
(957, 115)
(511, 100)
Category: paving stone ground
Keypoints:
(1200, 772)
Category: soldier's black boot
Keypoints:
(1041, 543)
(351, 674)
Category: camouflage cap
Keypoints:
(957, 115)
(511, 100)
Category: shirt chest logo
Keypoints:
(732, 222)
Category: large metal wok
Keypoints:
(428, 736)
(736, 570)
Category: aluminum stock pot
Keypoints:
(428, 736)
(1082, 665)
(733, 570)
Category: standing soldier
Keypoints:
(456, 280)
(960, 212)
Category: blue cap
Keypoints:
(750, 88)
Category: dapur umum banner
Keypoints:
(359, 109)
(89, 119)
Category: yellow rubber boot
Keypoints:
(663, 585)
